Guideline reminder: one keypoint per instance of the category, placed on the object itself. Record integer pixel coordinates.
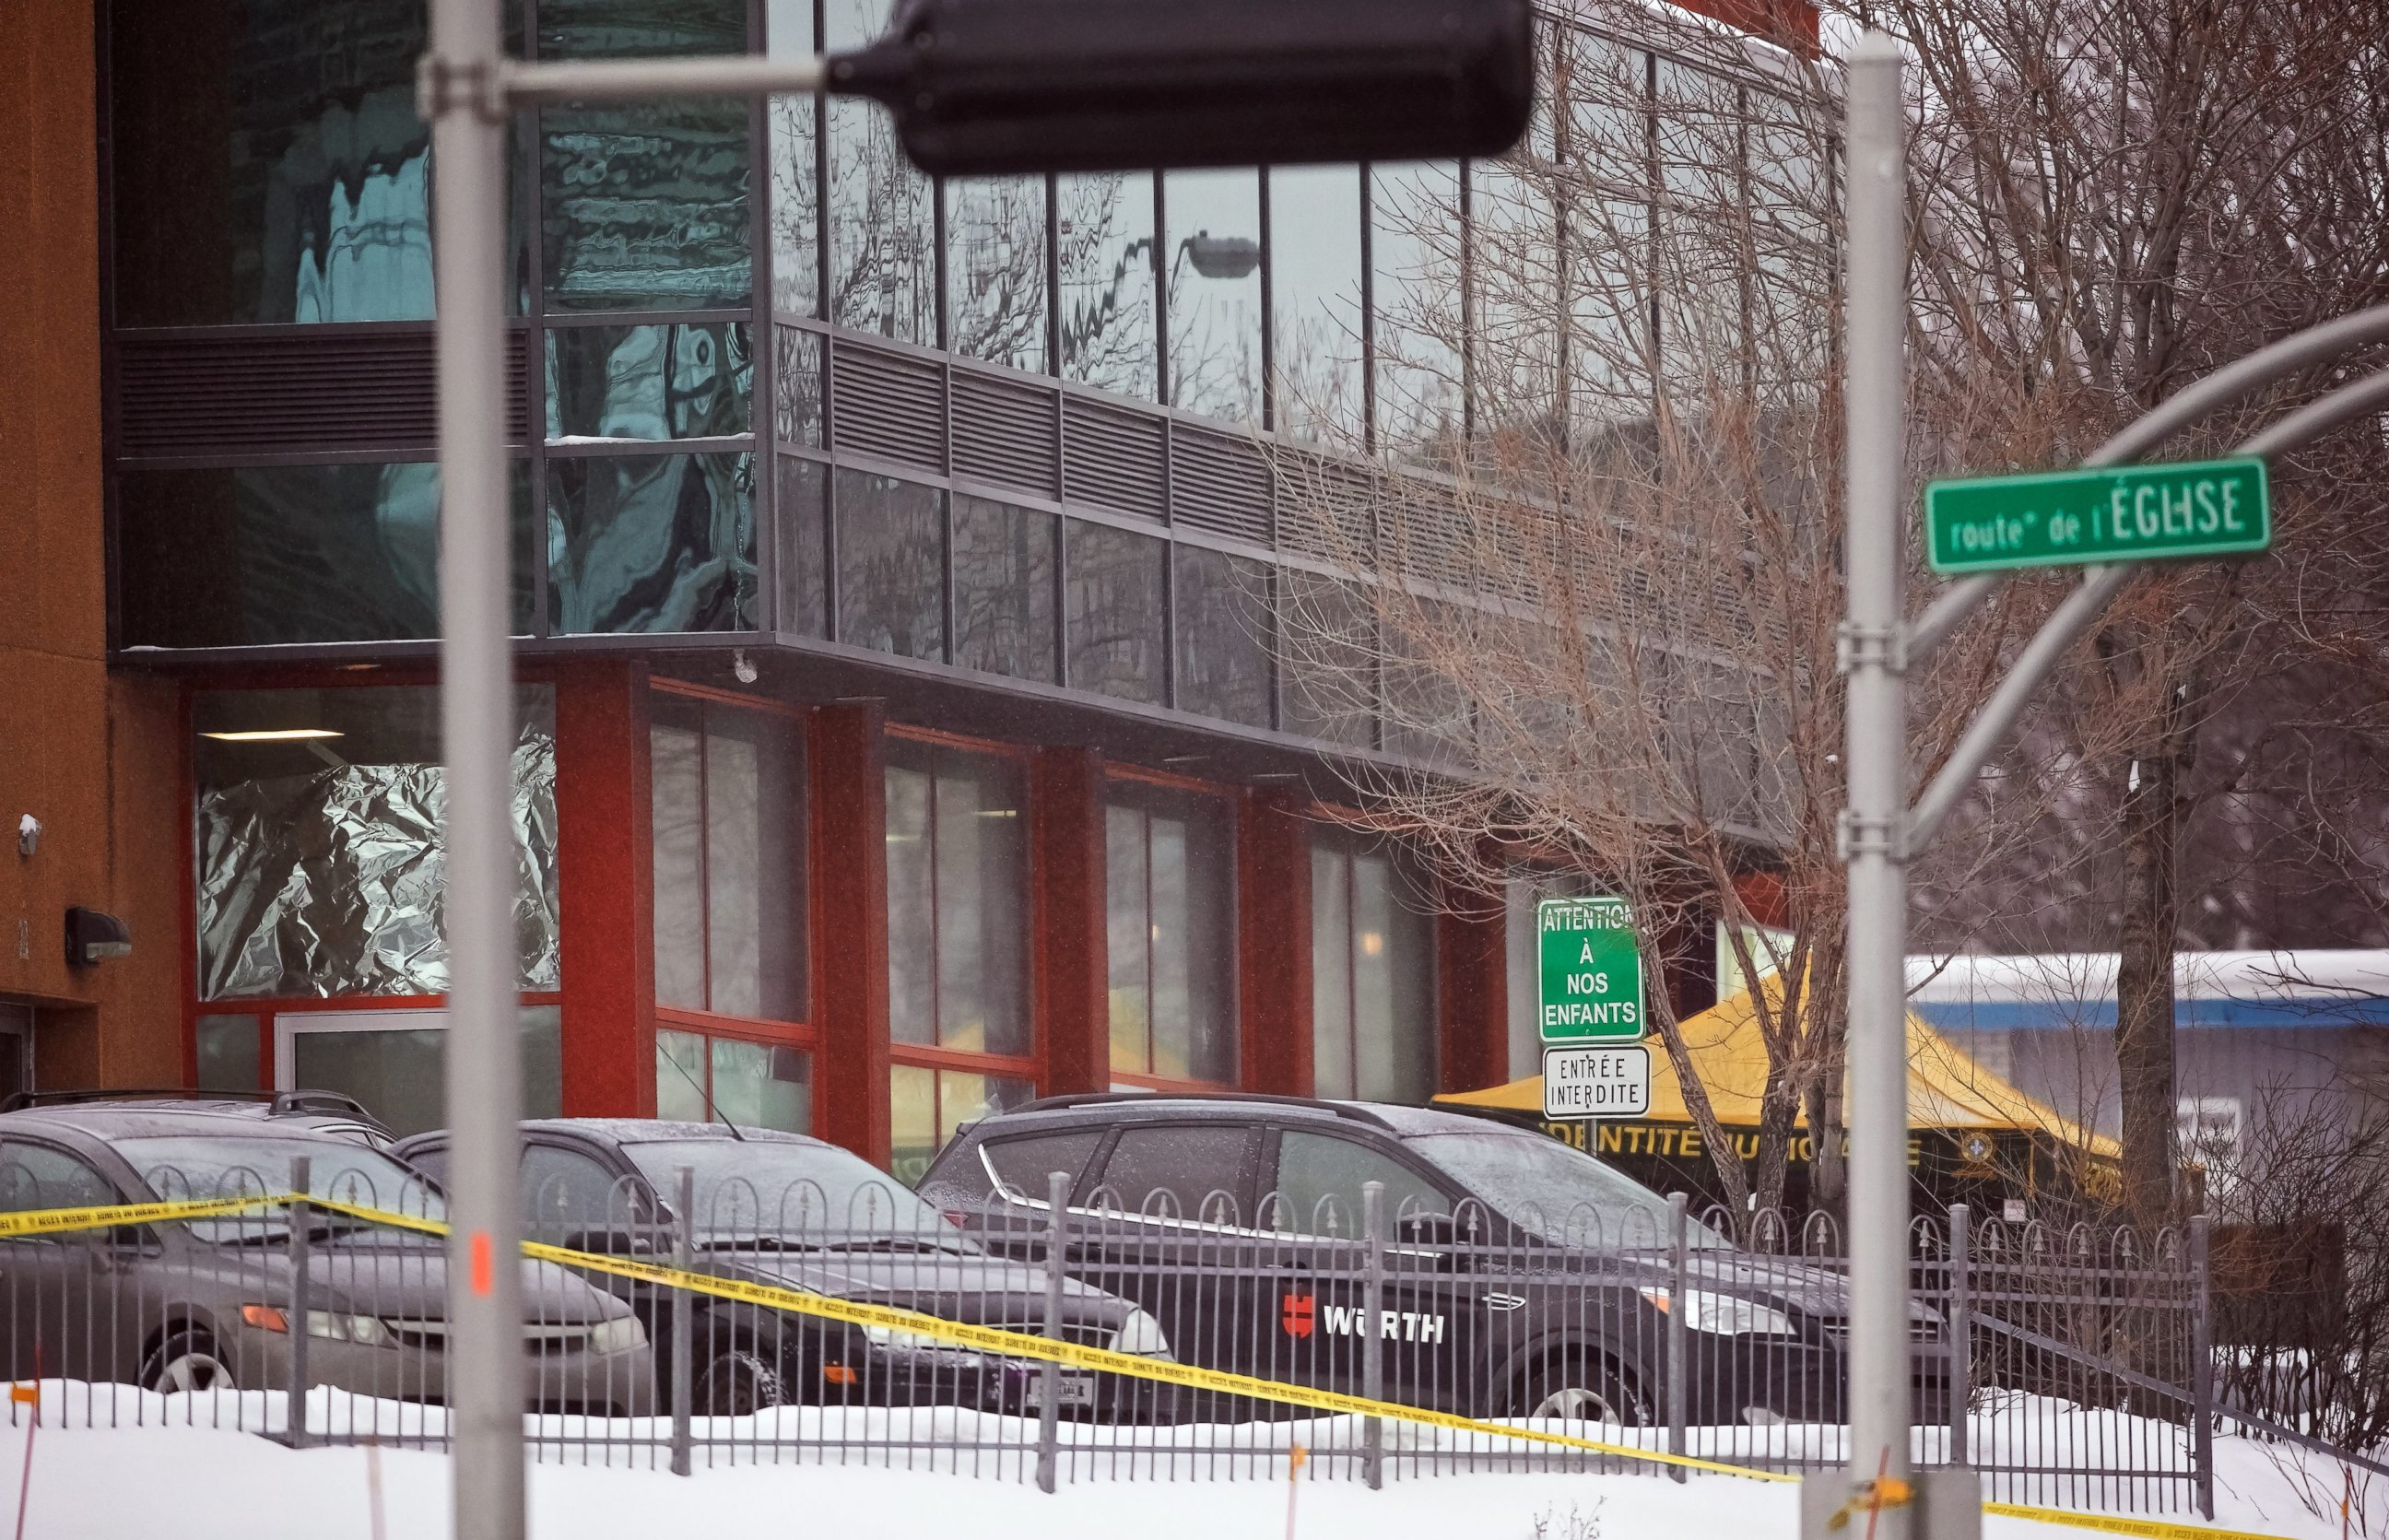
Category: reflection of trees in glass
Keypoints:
(883, 229)
(890, 558)
(1114, 611)
(1416, 336)
(646, 206)
(651, 542)
(1104, 245)
(1315, 215)
(1004, 588)
(995, 268)
(1223, 635)
(796, 206)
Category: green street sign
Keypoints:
(1591, 971)
(2072, 518)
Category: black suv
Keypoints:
(796, 1213)
(1520, 1277)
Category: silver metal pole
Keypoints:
(301, 1224)
(1679, 1336)
(461, 98)
(1372, 1337)
(1877, 724)
(1049, 1402)
(683, 1319)
(1961, 1332)
(627, 79)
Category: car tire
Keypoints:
(1582, 1388)
(186, 1361)
(737, 1383)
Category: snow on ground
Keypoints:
(156, 1472)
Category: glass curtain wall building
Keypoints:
(1047, 441)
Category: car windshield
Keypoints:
(764, 1192)
(217, 1166)
(1559, 1193)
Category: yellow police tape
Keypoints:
(1021, 1346)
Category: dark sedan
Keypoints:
(207, 1304)
(796, 1213)
(1519, 1277)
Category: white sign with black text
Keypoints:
(1597, 1082)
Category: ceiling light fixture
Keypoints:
(275, 735)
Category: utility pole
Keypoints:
(466, 108)
(1873, 657)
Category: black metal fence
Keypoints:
(2071, 1367)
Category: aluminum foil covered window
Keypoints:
(318, 847)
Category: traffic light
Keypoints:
(987, 87)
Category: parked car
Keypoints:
(796, 1213)
(206, 1305)
(1520, 1277)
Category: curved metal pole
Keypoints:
(2098, 588)
(2299, 351)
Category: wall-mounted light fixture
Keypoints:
(29, 834)
(93, 938)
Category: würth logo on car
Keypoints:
(1302, 1314)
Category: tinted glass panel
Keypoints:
(1223, 636)
(1326, 636)
(1393, 984)
(1319, 1181)
(1415, 249)
(1004, 588)
(1026, 1163)
(601, 29)
(680, 1090)
(957, 899)
(398, 1073)
(797, 381)
(646, 206)
(995, 269)
(891, 540)
(928, 1106)
(1212, 251)
(1331, 972)
(676, 797)
(804, 547)
(1115, 612)
(566, 1192)
(1174, 1169)
(649, 382)
(227, 1051)
(290, 553)
(754, 864)
(796, 177)
(35, 1176)
(1106, 256)
(268, 163)
(1314, 254)
(883, 229)
(763, 1084)
(1169, 886)
(651, 542)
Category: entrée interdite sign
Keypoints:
(1590, 1010)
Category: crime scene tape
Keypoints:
(1043, 1349)
(54, 1221)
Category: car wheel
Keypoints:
(1583, 1389)
(737, 1382)
(187, 1361)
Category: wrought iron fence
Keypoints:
(2069, 1367)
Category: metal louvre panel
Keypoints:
(1220, 483)
(887, 403)
(1114, 456)
(204, 392)
(1006, 431)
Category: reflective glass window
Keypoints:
(1327, 651)
(1314, 256)
(1104, 235)
(651, 542)
(1514, 267)
(690, 381)
(995, 269)
(267, 163)
(1373, 975)
(645, 207)
(267, 555)
(795, 172)
(704, 1079)
(1319, 1181)
(1212, 277)
(727, 799)
(1414, 250)
(398, 1071)
(1004, 588)
(318, 850)
(957, 899)
(928, 1106)
(891, 542)
(1114, 609)
(608, 29)
(883, 231)
(1169, 871)
(1602, 143)
(228, 1053)
(1223, 635)
(1185, 1171)
(804, 546)
(796, 382)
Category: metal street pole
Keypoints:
(1874, 554)
(463, 99)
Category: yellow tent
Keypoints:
(1946, 1087)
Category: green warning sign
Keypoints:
(1591, 971)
